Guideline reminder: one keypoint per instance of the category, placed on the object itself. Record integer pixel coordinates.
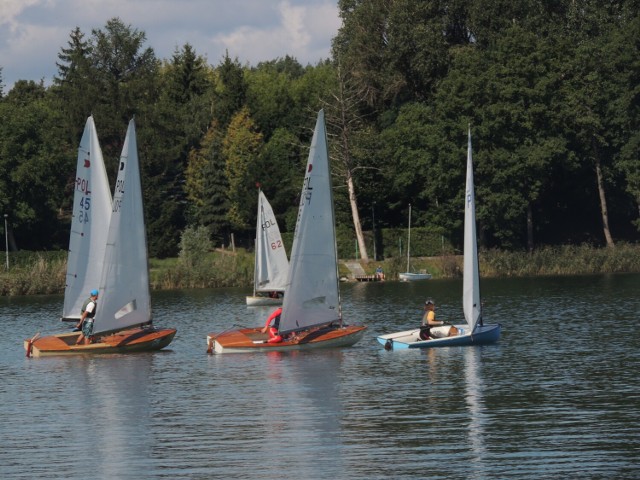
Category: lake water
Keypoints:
(557, 397)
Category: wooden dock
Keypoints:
(366, 278)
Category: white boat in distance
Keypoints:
(271, 266)
(409, 276)
(474, 332)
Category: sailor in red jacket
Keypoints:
(272, 324)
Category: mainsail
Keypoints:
(89, 223)
(312, 296)
(272, 266)
(471, 275)
(124, 288)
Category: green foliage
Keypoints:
(35, 166)
(392, 243)
(241, 149)
(194, 246)
(213, 213)
(34, 273)
(562, 260)
(270, 96)
(230, 91)
(281, 171)
(550, 91)
(219, 269)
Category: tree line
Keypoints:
(550, 91)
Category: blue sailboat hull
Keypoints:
(482, 335)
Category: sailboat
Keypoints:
(271, 265)
(311, 313)
(123, 318)
(410, 276)
(89, 224)
(474, 331)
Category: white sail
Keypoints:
(89, 224)
(312, 290)
(124, 288)
(409, 276)
(471, 275)
(272, 266)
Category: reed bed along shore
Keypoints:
(36, 273)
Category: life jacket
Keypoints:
(86, 304)
(276, 322)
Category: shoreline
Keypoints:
(41, 273)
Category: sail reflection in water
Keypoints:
(475, 405)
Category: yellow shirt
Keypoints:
(429, 317)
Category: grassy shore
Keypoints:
(44, 272)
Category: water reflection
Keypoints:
(545, 402)
(114, 412)
(475, 405)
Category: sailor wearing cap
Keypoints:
(430, 328)
(428, 319)
(86, 318)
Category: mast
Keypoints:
(409, 240)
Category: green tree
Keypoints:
(411, 174)
(241, 148)
(126, 75)
(74, 87)
(362, 48)
(594, 86)
(37, 166)
(213, 213)
(281, 171)
(230, 91)
(270, 95)
(175, 125)
(622, 68)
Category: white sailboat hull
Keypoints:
(412, 277)
(482, 335)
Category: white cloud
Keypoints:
(32, 32)
(300, 31)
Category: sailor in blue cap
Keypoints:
(86, 318)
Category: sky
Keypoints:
(33, 32)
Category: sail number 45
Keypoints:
(85, 207)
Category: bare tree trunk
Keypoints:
(603, 203)
(343, 117)
(529, 228)
(353, 201)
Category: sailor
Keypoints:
(86, 318)
(429, 321)
(272, 325)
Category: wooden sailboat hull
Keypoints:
(412, 277)
(125, 341)
(255, 301)
(483, 335)
(252, 340)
